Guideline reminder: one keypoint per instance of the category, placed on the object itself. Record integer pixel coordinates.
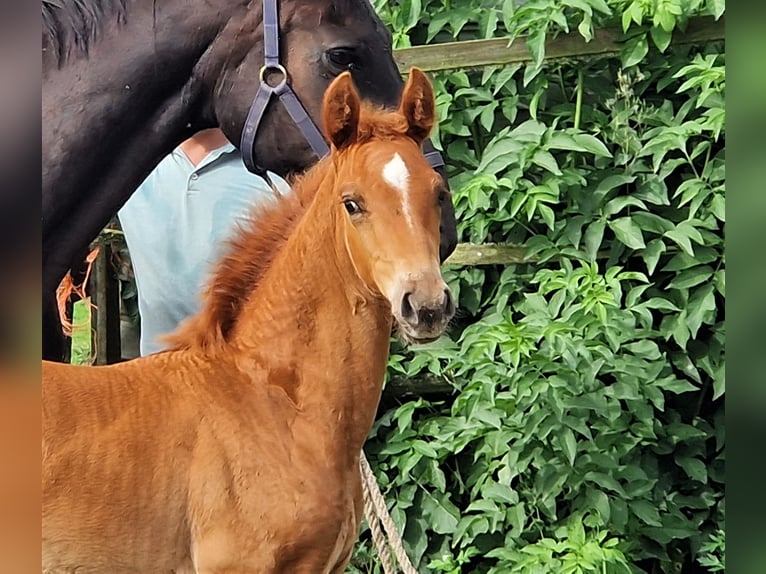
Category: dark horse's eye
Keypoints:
(341, 58)
(352, 206)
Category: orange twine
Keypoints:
(67, 287)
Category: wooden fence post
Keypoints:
(106, 315)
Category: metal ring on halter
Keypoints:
(278, 68)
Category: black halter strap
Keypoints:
(287, 96)
(282, 90)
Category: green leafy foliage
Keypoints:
(586, 429)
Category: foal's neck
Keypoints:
(320, 332)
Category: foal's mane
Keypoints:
(252, 250)
(71, 24)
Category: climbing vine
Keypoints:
(585, 427)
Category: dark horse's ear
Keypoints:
(340, 111)
(418, 105)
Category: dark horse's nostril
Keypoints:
(408, 312)
(449, 304)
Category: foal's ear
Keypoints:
(418, 105)
(340, 111)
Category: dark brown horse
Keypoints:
(125, 81)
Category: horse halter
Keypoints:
(287, 96)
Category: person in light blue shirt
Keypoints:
(176, 225)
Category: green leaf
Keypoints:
(487, 415)
(415, 537)
(599, 501)
(718, 7)
(605, 481)
(578, 142)
(628, 232)
(718, 207)
(442, 515)
(645, 348)
(535, 101)
(569, 445)
(676, 386)
(437, 24)
(592, 144)
(517, 518)
(585, 27)
(701, 306)
(634, 51)
(719, 281)
(546, 160)
(617, 204)
(626, 20)
(601, 6)
(547, 215)
(610, 182)
(654, 190)
(536, 45)
(487, 116)
(413, 10)
(424, 448)
(646, 511)
(664, 18)
(694, 468)
(691, 277)
(682, 361)
(661, 304)
(593, 237)
(682, 236)
(652, 222)
(563, 140)
(719, 383)
(509, 7)
(618, 511)
(499, 154)
(661, 37)
(500, 492)
(651, 254)
(404, 414)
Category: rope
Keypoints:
(377, 535)
(375, 507)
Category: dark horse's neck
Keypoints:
(320, 330)
(135, 114)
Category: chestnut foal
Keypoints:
(238, 449)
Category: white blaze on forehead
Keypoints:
(395, 173)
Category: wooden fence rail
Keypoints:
(469, 54)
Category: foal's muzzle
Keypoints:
(423, 314)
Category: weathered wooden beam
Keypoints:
(496, 51)
(425, 385)
(487, 254)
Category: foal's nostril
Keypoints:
(408, 312)
(427, 316)
(449, 304)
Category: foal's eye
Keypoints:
(342, 58)
(352, 206)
